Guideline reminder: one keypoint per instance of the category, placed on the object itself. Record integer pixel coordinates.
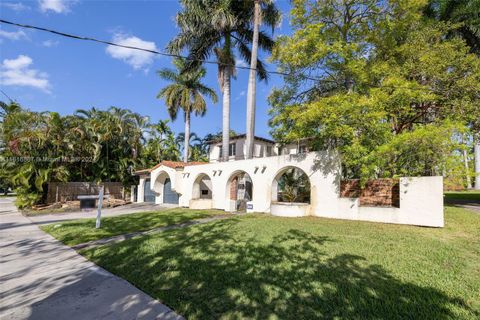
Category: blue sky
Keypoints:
(45, 72)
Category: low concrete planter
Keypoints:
(290, 209)
(200, 204)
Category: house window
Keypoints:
(268, 151)
(232, 150)
(302, 149)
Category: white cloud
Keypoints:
(50, 43)
(241, 63)
(17, 72)
(241, 94)
(15, 6)
(136, 58)
(14, 35)
(57, 6)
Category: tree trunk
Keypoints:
(477, 162)
(467, 169)
(252, 84)
(186, 144)
(465, 162)
(226, 118)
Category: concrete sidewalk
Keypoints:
(42, 279)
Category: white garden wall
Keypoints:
(421, 199)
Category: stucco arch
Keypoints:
(232, 190)
(202, 187)
(158, 185)
(280, 173)
(160, 181)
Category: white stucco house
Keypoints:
(253, 185)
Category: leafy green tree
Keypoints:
(32, 153)
(465, 14)
(380, 78)
(186, 92)
(92, 145)
(153, 152)
(465, 17)
(114, 139)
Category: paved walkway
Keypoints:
(107, 212)
(42, 279)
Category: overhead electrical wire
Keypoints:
(72, 36)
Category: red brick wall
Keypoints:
(376, 193)
(233, 188)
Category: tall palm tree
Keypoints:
(185, 92)
(157, 135)
(271, 15)
(219, 28)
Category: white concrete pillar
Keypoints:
(132, 193)
(141, 190)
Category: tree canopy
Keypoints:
(91, 145)
(378, 81)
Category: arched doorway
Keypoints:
(202, 187)
(148, 194)
(169, 196)
(239, 191)
(163, 189)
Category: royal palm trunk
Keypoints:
(252, 84)
(186, 144)
(226, 118)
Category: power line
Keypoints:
(6, 95)
(172, 55)
(68, 35)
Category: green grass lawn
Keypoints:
(83, 230)
(462, 195)
(264, 267)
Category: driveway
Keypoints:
(473, 205)
(107, 212)
(42, 279)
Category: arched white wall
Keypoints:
(159, 176)
(323, 169)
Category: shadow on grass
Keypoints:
(222, 270)
(81, 231)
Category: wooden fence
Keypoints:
(69, 191)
